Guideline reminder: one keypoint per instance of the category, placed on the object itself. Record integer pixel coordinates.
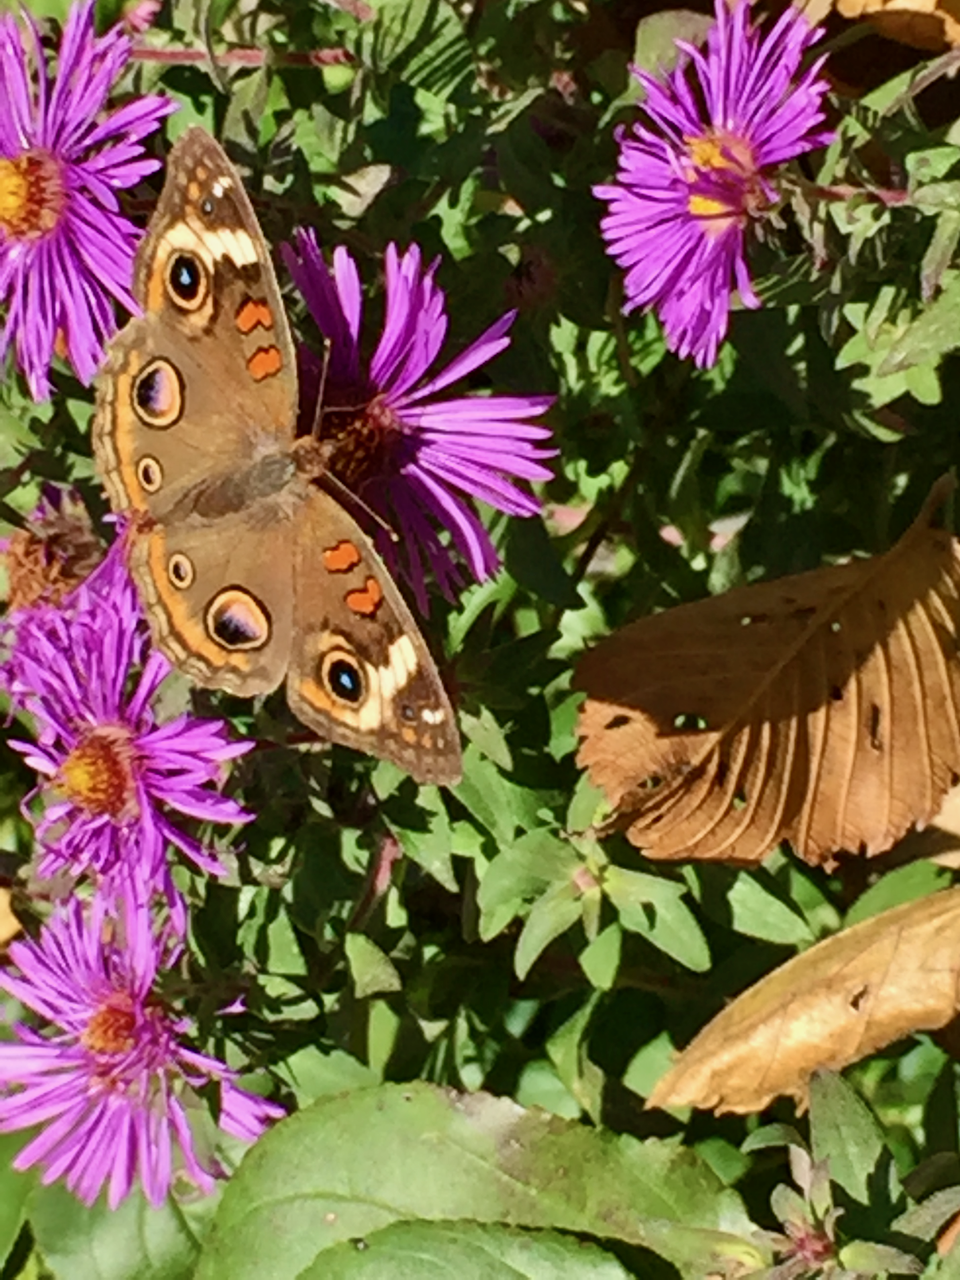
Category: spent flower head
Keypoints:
(111, 1081)
(66, 250)
(701, 164)
(111, 773)
(415, 457)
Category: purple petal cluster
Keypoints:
(701, 163)
(113, 1078)
(111, 775)
(66, 250)
(416, 457)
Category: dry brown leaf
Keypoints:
(843, 999)
(822, 708)
(10, 926)
(923, 24)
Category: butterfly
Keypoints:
(249, 568)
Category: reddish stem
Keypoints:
(245, 57)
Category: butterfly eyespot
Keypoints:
(341, 676)
(158, 395)
(408, 712)
(207, 207)
(187, 281)
(180, 570)
(238, 621)
(150, 474)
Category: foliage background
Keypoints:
(506, 954)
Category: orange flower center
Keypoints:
(112, 1028)
(355, 440)
(97, 775)
(32, 195)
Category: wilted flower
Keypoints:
(66, 250)
(111, 774)
(412, 456)
(701, 163)
(52, 554)
(112, 1082)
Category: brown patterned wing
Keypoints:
(360, 671)
(205, 380)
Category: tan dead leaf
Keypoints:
(845, 998)
(822, 708)
(933, 25)
(10, 926)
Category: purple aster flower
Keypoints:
(699, 166)
(112, 1083)
(111, 773)
(66, 250)
(413, 457)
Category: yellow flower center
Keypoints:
(726, 185)
(112, 1027)
(32, 195)
(97, 775)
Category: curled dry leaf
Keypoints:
(845, 998)
(822, 708)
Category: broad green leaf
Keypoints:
(371, 970)
(652, 906)
(485, 731)
(467, 1250)
(600, 959)
(132, 1242)
(932, 334)
(878, 1259)
(532, 560)
(519, 875)
(550, 916)
(655, 44)
(903, 884)
(844, 1131)
(751, 905)
(14, 1190)
(349, 1166)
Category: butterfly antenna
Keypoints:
(354, 500)
(322, 390)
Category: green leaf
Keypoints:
(904, 884)
(551, 915)
(754, 903)
(531, 559)
(371, 970)
(652, 906)
(845, 1132)
(14, 1189)
(600, 960)
(939, 253)
(876, 1259)
(934, 332)
(655, 45)
(519, 875)
(486, 794)
(131, 1242)
(467, 1250)
(350, 1166)
(486, 733)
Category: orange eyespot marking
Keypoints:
(366, 599)
(252, 313)
(341, 558)
(264, 363)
